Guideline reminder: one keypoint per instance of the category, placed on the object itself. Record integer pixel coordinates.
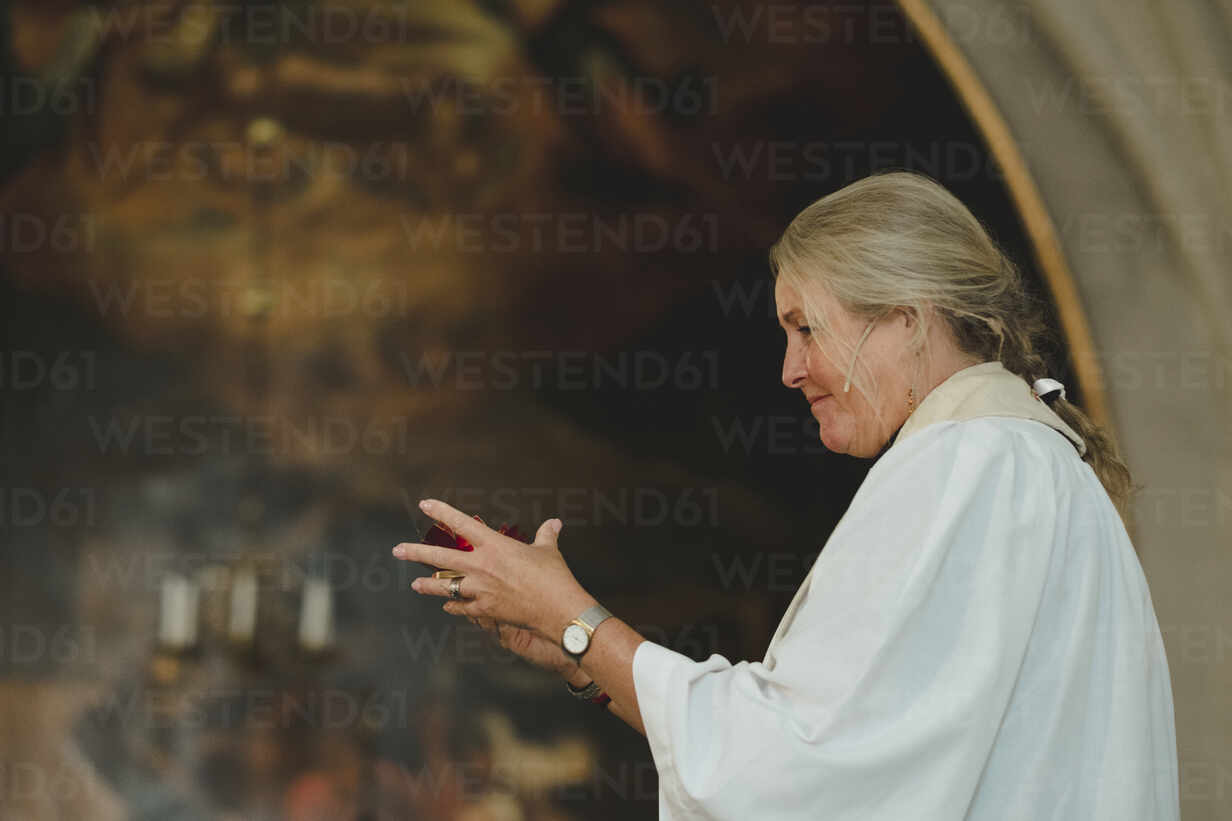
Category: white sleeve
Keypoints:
(888, 687)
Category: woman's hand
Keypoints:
(530, 592)
(506, 581)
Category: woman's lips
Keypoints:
(818, 400)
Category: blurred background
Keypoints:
(271, 272)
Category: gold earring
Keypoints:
(910, 401)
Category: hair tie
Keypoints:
(1047, 390)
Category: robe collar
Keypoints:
(986, 389)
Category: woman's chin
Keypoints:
(833, 441)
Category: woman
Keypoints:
(976, 640)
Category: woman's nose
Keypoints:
(794, 370)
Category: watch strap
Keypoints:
(592, 617)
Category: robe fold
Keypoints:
(976, 641)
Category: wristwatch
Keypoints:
(575, 640)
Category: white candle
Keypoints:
(242, 624)
(177, 625)
(316, 616)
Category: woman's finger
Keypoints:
(435, 556)
(468, 527)
(548, 532)
(440, 587)
(462, 607)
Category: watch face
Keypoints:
(575, 639)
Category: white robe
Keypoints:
(976, 641)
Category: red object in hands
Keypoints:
(442, 536)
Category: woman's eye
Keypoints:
(804, 329)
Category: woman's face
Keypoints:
(848, 421)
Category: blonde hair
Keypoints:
(899, 240)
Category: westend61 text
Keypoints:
(234, 708)
(564, 96)
(35, 507)
(193, 297)
(563, 370)
(147, 569)
(24, 96)
(796, 23)
(157, 435)
(25, 645)
(583, 506)
(63, 371)
(561, 232)
(24, 233)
